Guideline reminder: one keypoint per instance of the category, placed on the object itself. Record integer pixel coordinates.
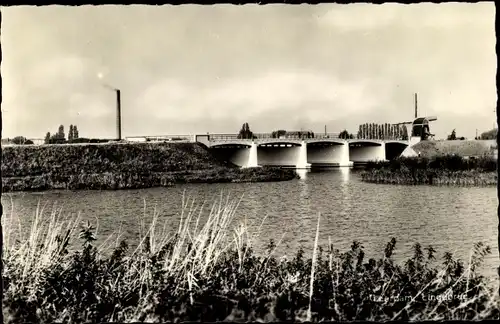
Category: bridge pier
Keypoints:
(252, 161)
(302, 157)
(344, 156)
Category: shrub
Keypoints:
(205, 273)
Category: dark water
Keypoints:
(449, 218)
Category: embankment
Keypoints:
(431, 149)
(121, 166)
(439, 170)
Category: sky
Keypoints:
(194, 69)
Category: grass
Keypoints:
(207, 270)
(121, 166)
(440, 170)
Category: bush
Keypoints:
(205, 273)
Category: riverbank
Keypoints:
(435, 148)
(439, 170)
(209, 272)
(121, 166)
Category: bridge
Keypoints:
(301, 151)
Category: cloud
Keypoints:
(246, 97)
(211, 68)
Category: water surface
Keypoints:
(449, 218)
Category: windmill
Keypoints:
(419, 127)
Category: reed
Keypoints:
(206, 270)
(441, 170)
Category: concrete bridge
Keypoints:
(317, 150)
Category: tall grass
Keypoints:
(441, 170)
(206, 269)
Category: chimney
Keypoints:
(118, 115)
(416, 106)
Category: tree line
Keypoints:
(366, 131)
(60, 136)
(489, 135)
(382, 131)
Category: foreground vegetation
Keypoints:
(439, 170)
(207, 271)
(120, 166)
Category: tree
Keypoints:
(345, 134)
(404, 135)
(19, 140)
(56, 139)
(75, 132)
(489, 135)
(60, 133)
(28, 142)
(452, 136)
(245, 132)
(278, 133)
(47, 138)
(70, 134)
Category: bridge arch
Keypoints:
(365, 142)
(240, 154)
(393, 149)
(230, 145)
(362, 151)
(282, 152)
(325, 142)
(326, 153)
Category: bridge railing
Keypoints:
(383, 138)
(267, 136)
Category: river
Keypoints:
(449, 218)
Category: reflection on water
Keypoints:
(449, 218)
(302, 173)
(345, 172)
